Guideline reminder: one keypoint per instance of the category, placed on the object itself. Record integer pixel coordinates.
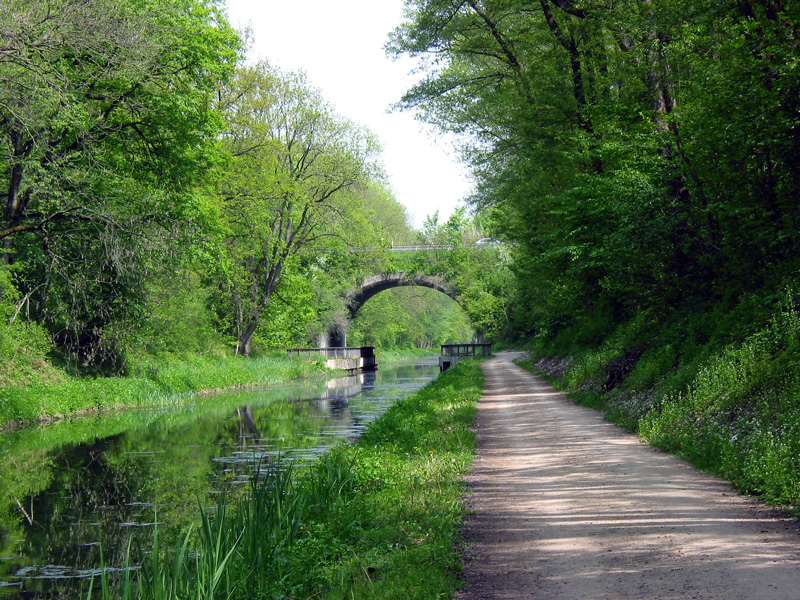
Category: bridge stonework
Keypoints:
(376, 284)
(379, 283)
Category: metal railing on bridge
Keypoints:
(480, 245)
(466, 349)
(452, 353)
(326, 353)
(419, 247)
(411, 247)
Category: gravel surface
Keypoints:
(568, 506)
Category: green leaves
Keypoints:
(106, 129)
(293, 181)
(635, 154)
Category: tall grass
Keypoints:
(202, 373)
(375, 519)
(238, 550)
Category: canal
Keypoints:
(74, 489)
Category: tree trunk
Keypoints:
(245, 340)
(15, 203)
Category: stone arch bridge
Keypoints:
(355, 299)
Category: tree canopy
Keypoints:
(106, 127)
(160, 194)
(295, 178)
(641, 155)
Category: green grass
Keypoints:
(394, 525)
(154, 380)
(388, 357)
(378, 519)
(163, 380)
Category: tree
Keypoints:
(293, 180)
(390, 219)
(106, 127)
(641, 154)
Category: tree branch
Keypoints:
(18, 229)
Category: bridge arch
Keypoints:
(355, 299)
(376, 284)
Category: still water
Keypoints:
(70, 489)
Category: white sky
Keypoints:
(340, 47)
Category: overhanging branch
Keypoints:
(19, 229)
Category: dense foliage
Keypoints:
(162, 196)
(641, 156)
(106, 124)
(643, 160)
(293, 181)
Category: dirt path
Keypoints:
(568, 506)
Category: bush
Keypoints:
(24, 345)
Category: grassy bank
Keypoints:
(51, 393)
(719, 387)
(389, 357)
(155, 381)
(378, 519)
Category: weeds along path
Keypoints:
(568, 506)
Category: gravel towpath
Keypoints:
(567, 506)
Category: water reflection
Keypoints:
(70, 488)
